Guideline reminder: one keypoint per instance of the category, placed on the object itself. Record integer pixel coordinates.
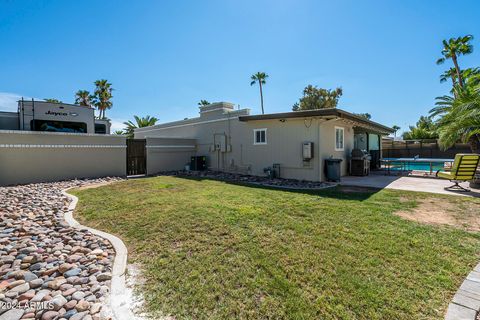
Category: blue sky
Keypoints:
(164, 56)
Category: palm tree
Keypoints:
(449, 74)
(259, 77)
(203, 103)
(118, 132)
(52, 100)
(470, 77)
(139, 123)
(83, 98)
(459, 118)
(452, 49)
(102, 96)
(395, 129)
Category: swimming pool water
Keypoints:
(415, 166)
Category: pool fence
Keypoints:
(421, 148)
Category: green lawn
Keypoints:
(213, 250)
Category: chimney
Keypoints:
(216, 109)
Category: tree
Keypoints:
(102, 97)
(470, 76)
(452, 49)
(424, 129)
(51, 100)
(318, 98)
(83, 98)
(259, 77)
(118, 132)
(366, 115)
(449, 74)
(139, 123)
(458, 118)
(203, 103)
(395, 129)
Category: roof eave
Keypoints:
(321, 113)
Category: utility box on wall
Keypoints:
(307, 151)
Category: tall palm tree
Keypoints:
(83, 98)
(452, 49)
(470, 77)
(102, 96)
(139, 123)
(395, 129)
(450, 74)
(259, 77)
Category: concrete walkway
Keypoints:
(466, 302)
(409, 183)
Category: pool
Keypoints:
(415, 164)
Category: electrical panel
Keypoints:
(223, 143)
(307, 151)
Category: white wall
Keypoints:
(164, 154)
(27, 156)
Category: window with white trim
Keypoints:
(339, 138)
(259, 136)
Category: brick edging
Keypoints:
(465, 304)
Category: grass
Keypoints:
(213, 250)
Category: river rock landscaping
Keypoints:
(49, 270)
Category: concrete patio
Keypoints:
(409, 183)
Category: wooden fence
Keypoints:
(421, 148)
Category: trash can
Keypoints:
(332, 169)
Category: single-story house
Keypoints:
(298, 142)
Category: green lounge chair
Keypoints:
(463, 169)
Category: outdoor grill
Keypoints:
(360, 162)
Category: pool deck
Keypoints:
(408, 183)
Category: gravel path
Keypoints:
(49, 270)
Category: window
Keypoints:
(260, 136)
(58, 126)
(100, 128)
(339, 136)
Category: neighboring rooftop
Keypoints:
(208, 112)
(56, 103)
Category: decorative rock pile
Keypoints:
(241, 178)
(49, 270)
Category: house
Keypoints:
(296, 142)
(53, 117)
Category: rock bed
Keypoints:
(49, 270)
(257, 180)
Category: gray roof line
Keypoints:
(313, 113)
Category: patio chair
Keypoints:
(463, 169)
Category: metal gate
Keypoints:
(136, 157)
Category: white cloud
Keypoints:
(117, 124)
(8, 101)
